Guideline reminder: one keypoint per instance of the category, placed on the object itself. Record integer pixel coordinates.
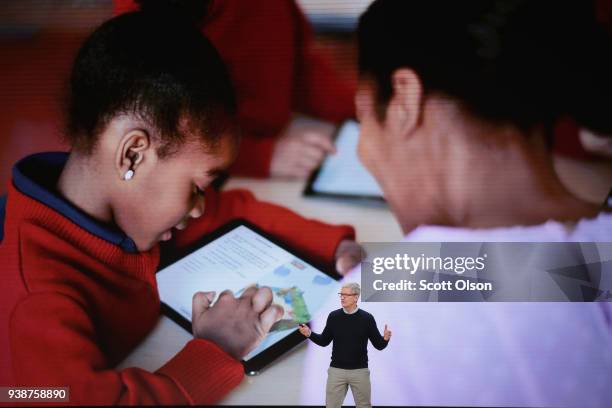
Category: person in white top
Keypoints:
(465, 144)
(456, 102)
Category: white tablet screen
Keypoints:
(238, 259)
(343, 173)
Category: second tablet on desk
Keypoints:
(342, 175)
(236, 256)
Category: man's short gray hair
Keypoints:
(353, 286)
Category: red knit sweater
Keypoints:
(268, 49)
(74, 302)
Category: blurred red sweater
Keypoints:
(267, 47)
(77, 296)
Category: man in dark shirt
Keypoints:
(349, 328)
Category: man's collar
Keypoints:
(354, 311)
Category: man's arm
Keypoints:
(377, 340)
(324, 338)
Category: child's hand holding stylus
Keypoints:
(237, 325)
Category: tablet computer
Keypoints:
(342, 175)
(236, 256)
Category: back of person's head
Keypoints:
(193, 10)
(514, 61)
(158, 67)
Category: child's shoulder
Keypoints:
(51, 244)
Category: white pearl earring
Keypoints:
(128, 175)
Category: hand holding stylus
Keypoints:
(237, 325)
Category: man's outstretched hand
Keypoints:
(387, 334)
(305, 330)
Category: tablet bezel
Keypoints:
(255, 364)
(309, 190)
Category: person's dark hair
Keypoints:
(193, 10)
(157, 67)
(518, 61)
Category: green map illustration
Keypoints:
(292, 300)
(296, 311)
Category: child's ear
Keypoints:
(405, 106)
(133, 146)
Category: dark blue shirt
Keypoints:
(350, 333)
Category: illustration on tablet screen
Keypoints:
(292, 300)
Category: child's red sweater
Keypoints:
(268, 49)
(77, 297)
